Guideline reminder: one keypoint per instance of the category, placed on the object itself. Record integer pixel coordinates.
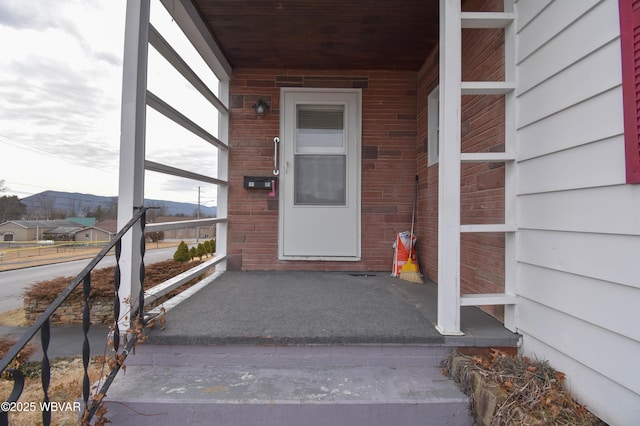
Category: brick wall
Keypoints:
(388, 164)
(71, 311)
(482, 184)
(427, 221)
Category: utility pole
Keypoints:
(198, 217)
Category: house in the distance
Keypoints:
(92, 234)
(71, 229)
(36, 230)
(181, 232)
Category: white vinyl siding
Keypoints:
(596, 163)
(599, 71)
(575, 211)
(579, 227)
(574, 126)
(577, 339)
(606, 257)
(625, 403)
(540, 285)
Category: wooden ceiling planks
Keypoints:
(329, 34)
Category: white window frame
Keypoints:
(433, 123)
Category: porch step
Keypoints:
(286, 385)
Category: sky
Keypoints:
(60, 93)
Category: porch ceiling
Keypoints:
(328, 34)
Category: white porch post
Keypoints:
(132, 151)
(449, 169)
(510, 179)
(223, 173)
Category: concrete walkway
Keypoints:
(66, 341)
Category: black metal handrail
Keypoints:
(43, 325)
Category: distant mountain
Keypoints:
(79, 203)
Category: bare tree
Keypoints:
(112, 208)
(157, 210)
(45, 206)
(73, 207)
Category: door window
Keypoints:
(320, 156)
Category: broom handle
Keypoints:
(413, 216)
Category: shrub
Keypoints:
(182, 253)
(193, 253)
(200, 250)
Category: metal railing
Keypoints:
(42, 324)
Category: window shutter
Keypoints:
(630, 43)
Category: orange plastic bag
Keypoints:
(401, 251)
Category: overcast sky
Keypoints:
(60, 92)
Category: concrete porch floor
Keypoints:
(302, 307)
(293, 348)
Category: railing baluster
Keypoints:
(143, 249)
(18, 386)
(45, 337)
(86, 349)
(116, 300)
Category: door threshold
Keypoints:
(322, 258)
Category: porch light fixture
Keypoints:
(261, 107)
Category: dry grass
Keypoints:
(14, 318)
(6, 344)
(66, 386)
(535, 392)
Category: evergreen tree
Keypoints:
(11, 208)
(207, 248)
(200, 250)
(182, 253)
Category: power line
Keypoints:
(12, 142)
(27, 147)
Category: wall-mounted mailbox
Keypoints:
(259, 182)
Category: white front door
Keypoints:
(320, 174)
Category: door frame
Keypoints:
(356, 163)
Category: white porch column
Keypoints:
(132, 151)
(449, 169)
(223, 173)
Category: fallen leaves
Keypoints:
(532, 387)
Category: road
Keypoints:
(13, 283)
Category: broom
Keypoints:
(410, 271)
